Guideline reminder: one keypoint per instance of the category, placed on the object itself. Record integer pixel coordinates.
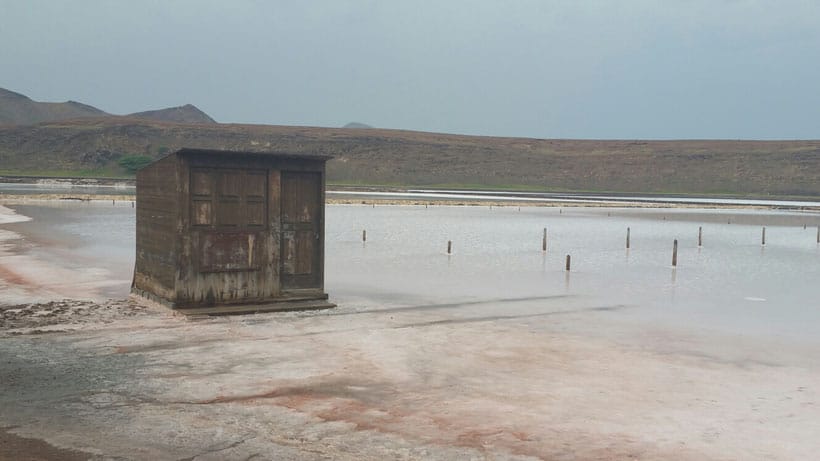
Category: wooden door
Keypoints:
(302, 239)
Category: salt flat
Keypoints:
(493, 352)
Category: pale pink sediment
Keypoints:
(28, 278)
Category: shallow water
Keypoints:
(732, 284)
(79, 235)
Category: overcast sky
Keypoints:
(547, 69)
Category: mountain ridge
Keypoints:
(187, 113)
(357, 125)
(18, 109)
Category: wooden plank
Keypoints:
(201, 183)
(304, 252)
(225, 252)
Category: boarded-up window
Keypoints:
(256, 204)
(229, 205)
(202, 215)
(202, 195)
(229, 199)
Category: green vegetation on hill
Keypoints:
(132, 163)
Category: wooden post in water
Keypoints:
(700, 236)
(112, 203)
(763, 236)
(675, 253)
(818, 234)
(544, 241)
(364, 235)
(568, 262)
(449, 247)
(627, 238)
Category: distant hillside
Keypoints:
(18, 109)
(357, 125)
(378, 156)
(182, 114)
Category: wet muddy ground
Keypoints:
(402, 382)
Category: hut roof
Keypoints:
(188, 151)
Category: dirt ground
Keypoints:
(17, 448)
(121, 380)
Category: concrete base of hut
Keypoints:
(301, 302)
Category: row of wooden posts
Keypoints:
(628, 232)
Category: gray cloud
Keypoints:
(574, 69)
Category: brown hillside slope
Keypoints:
(377, 156)
(182, 114)
(18, 109)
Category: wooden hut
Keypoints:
(229, 232)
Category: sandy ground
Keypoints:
(513, 378)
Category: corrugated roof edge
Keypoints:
(197, 151)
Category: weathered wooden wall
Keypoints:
(226, 241)
(158, 225)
